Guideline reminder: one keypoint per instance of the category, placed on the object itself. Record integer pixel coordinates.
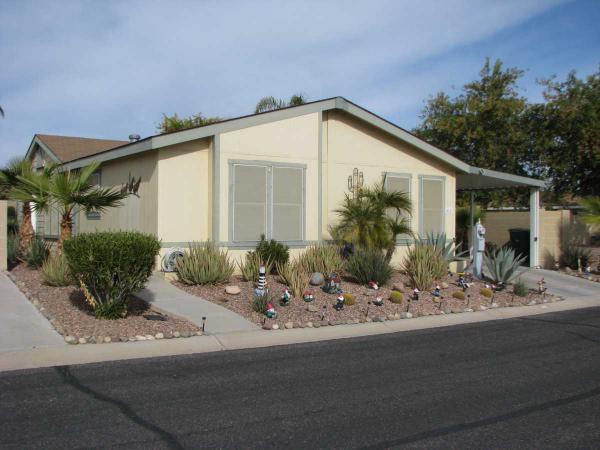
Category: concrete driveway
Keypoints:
(21, 325)
(567, 286)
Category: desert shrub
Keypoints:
(366, 265)
(12, 248)
(204, 264)
(502, 265)
(349, 299)
(459, 295)
(424, 264)
(486, 292)
(260, 303)
(273, 251)
(396, 297)
(447, 249)
(249, 268)
(56, 272)
(520, 289)
(323, 258)
(110, 267)
(572, 255)
(294, 276)
(37, 253)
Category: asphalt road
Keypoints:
(522, 383)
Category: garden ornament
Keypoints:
(308, 296)
(271, 313)
(333, 284)
(339, 305)
(541, 286)
(437, 291)
(588, 270)
(378, 301)
(286, 297)
(416, 294)
(373, 285)
(261, 287)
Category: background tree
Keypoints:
(271, 103)
(568, 130)
(66, 190)
(176, 123)
(591, 215)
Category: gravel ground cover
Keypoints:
(322, 311)
(72, 317)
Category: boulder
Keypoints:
(398, 286)
(444, 285)
(317, 279)
(289, 325)
(232, 290)
(405, 315)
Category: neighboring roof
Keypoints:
(334, 103)
(68, 148)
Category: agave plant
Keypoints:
(502, 265)
(447, 249)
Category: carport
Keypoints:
(477, 179)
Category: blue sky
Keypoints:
(107, 69)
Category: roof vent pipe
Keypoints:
(134, 137)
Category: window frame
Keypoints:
(269, 166)
(405, 238)
(443, 209)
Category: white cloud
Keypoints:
(108, 69)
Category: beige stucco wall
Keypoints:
(293, 141)
(556, 227)
(138, 212)
(184, 195)
(351, 143)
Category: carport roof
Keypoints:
(480, 179)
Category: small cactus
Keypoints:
(486, 292)
(396, 297)
(349, 299)
(459, 295)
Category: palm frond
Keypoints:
(269, 103)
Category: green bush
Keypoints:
(486, 292)
(56, 272)
(423, 265)
(349, 299)
(12, 248)
(323, 258)
(273, 251)
(110, 267)
(249, 268)
(502, 265)
(459, 295)
(204, 264)
(519, 289)
(366, 265)
(396, 297)
(572, 255)
(38, 252)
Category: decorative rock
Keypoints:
(368, 319)
(355, 321)
(439, 312)
(149, 337)
(298, 325)
(176, 334)
(123, 338)
(139, 337)
(405, 315)
(107, 339)
(324, 323)
(82, 340)
(71, 340)
(317, 279)
(316, 324)
(482, 308)
(456, 310)
(349, 322)
(494, 305)
(532, 302)
(275, 327)
(132, 339)
(309, 324)
(159, 336)
(379, 319)
(266, 326)
(289, 325)
(232, 290)
(312, 308)
(468, 310)
(444, 285)
(185, 334)
(447, 311)
(398, 286)
(396, 316)
(199, 333)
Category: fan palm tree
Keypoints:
(10, 185)
(67, 190)
(591, 214)
(374, 218)
(271, 103)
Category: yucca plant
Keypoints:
(204, 264)
(323, 258)
(56, 272)
(37, 252)
(423, 264)
(249, 267)
(448, 249)
(366, 265)
(294, 276)
(502, 265)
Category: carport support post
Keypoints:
(471, 223)
(534, 227)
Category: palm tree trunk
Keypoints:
(66, 230)
(26, 230)
(391, 248)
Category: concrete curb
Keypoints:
(67, 355)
